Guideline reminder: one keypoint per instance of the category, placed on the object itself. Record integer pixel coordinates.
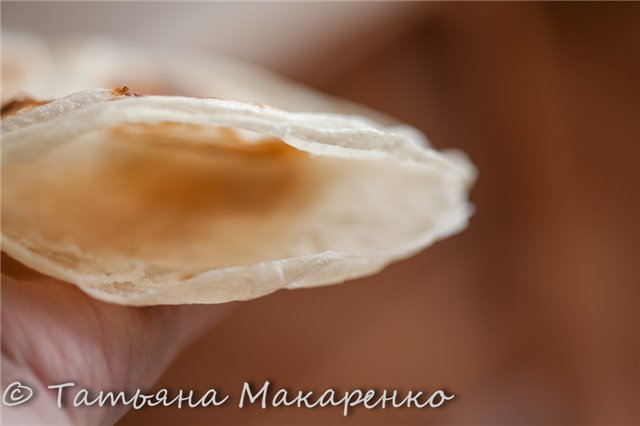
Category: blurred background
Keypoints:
(531, 315)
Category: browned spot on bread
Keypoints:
(20, 105)
(212, 140)
(123, 91)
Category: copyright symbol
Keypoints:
(16, 393)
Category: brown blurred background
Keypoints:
(530, 315)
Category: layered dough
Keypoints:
(163, 200)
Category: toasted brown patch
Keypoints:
(123, 91)
(162, 204)
(213, 140)
(20, 105)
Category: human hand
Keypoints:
(53, 333)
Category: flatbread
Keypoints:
(145, 200)
(74, 63)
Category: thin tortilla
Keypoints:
(145, 200)
(75, 63)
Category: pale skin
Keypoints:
(53, 333)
